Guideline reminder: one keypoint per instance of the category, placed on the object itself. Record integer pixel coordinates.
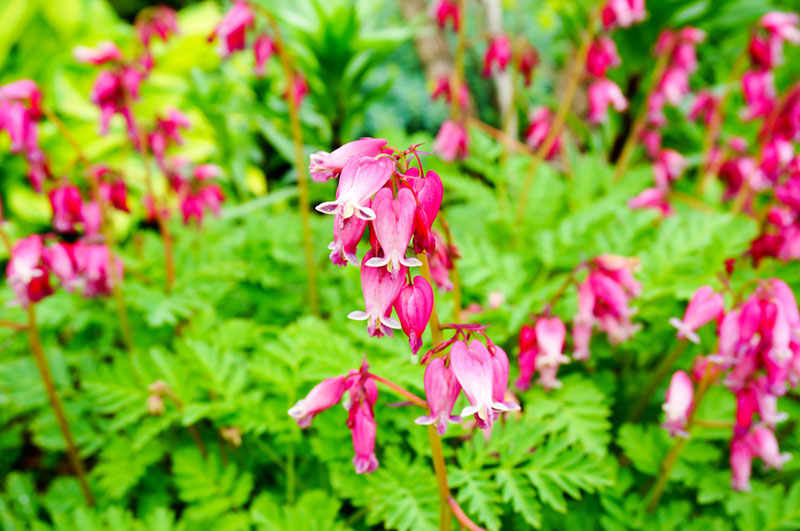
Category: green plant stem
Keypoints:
(55, 402)
(299, 157)
(405, 393)
(457, 79)
(641, 118)
(575, 74)
(672, 456)
(437, 454)
(658, 375)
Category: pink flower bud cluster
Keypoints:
(20, 111)
(623, 13)
(442, 89)
(194, 187)
(444, 11)
(602, 91)
(757, 359)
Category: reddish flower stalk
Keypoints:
(461, 516)
(299, 162)
(575, 74)
(55, 402)
(414, 399)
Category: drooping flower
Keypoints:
(364, 429)
(442, 88)
(232, 29)
(263, 48)
(67, 204)
(602, 56)
(759, 93)
(527, 60)
(394, 225)
(428, 192)
(473, 368)
(656, 198)
(550, 336)
(443, 11)
(346, 235)
(603, 93)
(380, 288)
(540, 119)
(452, 141)
(765, 446)
(25, 273)
(322, 396)
(678, 404)
(360, 179)
(105, 52)
(622, 13)
(325, 166)
(414, 305)
(703, 107)
(498, 55)
(741, 462)
(160, 21)
(528, 350)
(705, 306)
(441, 392)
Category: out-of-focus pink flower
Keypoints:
(679, 403)
(775, 158)
(705, 306)
(322, 396)
(473, 368)
(161, 21)
(394, 225)
(113, 91)
(656, 198)
(669, 165)
(360, 179)
(765, 51)
(528, 350)
(540, 119)
(550, 336)
(498, 55)
(704, 106)
(741, 461)
(602, 93)
(441, 262)
(674, 85)
(105, 52)
(263, 48)
(442, 88)
(759, 93)
(232, 29)
(782, 26)
(623, 13)
(527, 60)
(602, 56)
(452, 141)
(67, 204)
(651, 138)
(441, 392)
(380, 289)
(299, 88)
(20, 109)
(324, 166)
(167, 131)
(444, 10)
(24, 272)
(765, 446)
(413, 306)
(92, 218)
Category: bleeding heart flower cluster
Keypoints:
(20, 112)
(604, 298)
(194, 187)
(757, 359)
(540, 120)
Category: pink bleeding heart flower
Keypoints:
(67, 204)
(655, 198)
(93, 262)
(783, 26)
(380, 289)
(765, 446)
(325, 166)
(263, 48)
(452, 141)
(92, 218)
(603, 93)
(442, 88)
(583, 322)
(443, 11)
(527, 60)
(414, 305)
(528, 350)
(24, 272)
(746, 407)
(394, 225)
(500, 375)
(674, 84)
(474, 370)
(539, 129)
(360, 179)
(498, 55)
(232, 29)
(441, 262)
(669, 165)
(428, 192)
(759, 93)
(346, 236)
(703, 107)
(115, 193)
(364, 429)
(161, 21)
(767, 403)
(441, 392)
(623, 13)
(59, 259)
(705, 306)
(741, 461)
(550, 336)
(602, 56)
(104, 52)
(678, 404)
(322, 396)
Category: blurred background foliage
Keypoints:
(234, 339)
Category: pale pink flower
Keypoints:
(705, 306)
(322, 396)
(360, 179)
(602, 93)
(452, 141)
(394, 225)
(441, 392)
(380, 289)
(678, 404)
(324, 166)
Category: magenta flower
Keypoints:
(232, 29)
(24, 272)
(539, 128)
(704, 307)
(161, 21)
(655, 198)
(678, 404)
(325, 166)
(263, 48)
(528, 350)
(105, 52)
(380, 289)
(59, 258)
(414, 305)
(360, 179)
(759, 93)
(452, 141)
(674, 84)
(782, 26)
(765, 446)
(115, 193)
(704, 106)
(394, 225)
(669, 165)
(322, 396)
(741, 461)
(441, 392)
(602, 56)
(527, 60)
(67, 205)
(92, 218)
(443, 10)
(474, 370)
(623, 13)
(93, 263)
(498, 55)
(346, 236)
(442, 88)
(364, 429)
(602, 93)
(550, 336)
(428, 192)
(167, 132)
